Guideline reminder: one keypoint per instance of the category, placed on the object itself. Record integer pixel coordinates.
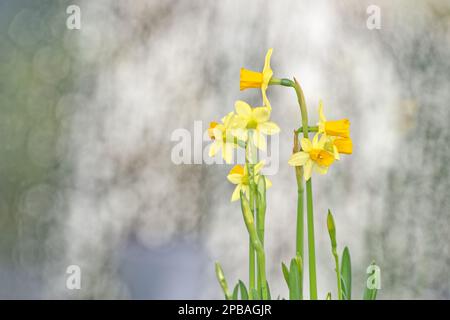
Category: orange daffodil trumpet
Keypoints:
(313, 156)
(343, 145)
(240, 177)
(337, 145)
(338, 128)
(252, 79)
(338, 133)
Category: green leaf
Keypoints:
(243, 289)
(285, 273)
(268, 290)
(370, 294)
(328, 297)
(256, 295)
(235, 292)
(346, 274)
(299, 262)
(294, 281)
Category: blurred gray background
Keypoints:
(86, 118)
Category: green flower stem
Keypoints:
(311, 242)
(338, 273)
(309, 202)
(331, 226)
(300, 212)
(250, 156)
(260, 192)
(310, 129)
(261, 207)
(250, 224)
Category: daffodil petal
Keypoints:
(235, 178)
(320, 169)
(227, 152)
(218, 132)
(261, 114)
(243, 108)
(315, 141)
(258, 166)
(269, 128)
(266, 101)
(214, 148)
(336, 153)
(259, 140)
(228, 119)
(239, 122)
(246, 189)
(321, 114)
(236, 193)
(267, 70)
(306, 144)
(268, 183)
(298, 159)
(322, 141)
(307, 170)
(240, 133)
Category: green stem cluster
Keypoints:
(309, 200)
(300, 216)
(256, 209)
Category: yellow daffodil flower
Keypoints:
(339, 128)
(256, 120)
(223, 140)
(313, 156)
(252, 79)
(240, 177)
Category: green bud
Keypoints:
(331, 229)
(246, 211)
(222, 281)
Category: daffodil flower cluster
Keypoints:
(246, 124)
(319, 154)
(247, 127)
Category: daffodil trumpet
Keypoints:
(253, 79)
(337, 128)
